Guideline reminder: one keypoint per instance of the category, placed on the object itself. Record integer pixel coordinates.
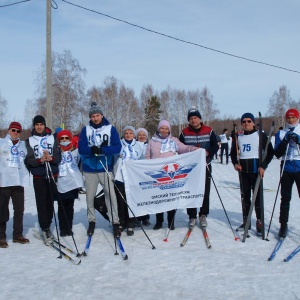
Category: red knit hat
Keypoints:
(64, 132)
(292, 113)
(15, 125)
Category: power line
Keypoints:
(14, 3)
(181, 40)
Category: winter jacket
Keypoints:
(292, 163)
(204, 137)
(249, 154)
(94, 135)
(154, 148)
(12, 168)
(34, 145)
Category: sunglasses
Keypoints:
(247, 121)
(16, 130)
(64, 138)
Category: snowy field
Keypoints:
(229, 270)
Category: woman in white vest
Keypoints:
(68, 182)
(13, 177)
(142, 136)
(131, 150)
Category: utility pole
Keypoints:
(48, 67)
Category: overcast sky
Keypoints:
(265, 31)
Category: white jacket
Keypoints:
(12, 168)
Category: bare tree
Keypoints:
(3, 111)
(279, 103)
(68, 98)
(207, 106)
(118, 103)
(30, 112)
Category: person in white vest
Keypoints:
(42, 151)
(131, 150)
(287, 142)
(249, 167)
(13, 178)
(224, 145)
(99, 144)
(142, 136)
(68, 182)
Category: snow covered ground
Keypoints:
(229, 270)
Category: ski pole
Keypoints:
(65, 214)
(111, 210)
(279, 183)
(235, 237)
(153, 247)
(48, 169)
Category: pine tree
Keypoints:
(152, 114)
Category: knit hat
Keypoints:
(58, 129)
(141, 129)
(95, 109)
(247, 115)
(15, 125)
(292, 113)
(193, 112)
(38, 119)
(64, 132)
(164, 123)
(128, 128)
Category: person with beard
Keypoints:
(249, 166)
(42, 151)
(287, 142)
(202, 136)
(13, 178)
(68, 182)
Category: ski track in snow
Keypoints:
(229, 270)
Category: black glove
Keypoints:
(295, 137)
(104, 143)
(96, 150)
(289, 136)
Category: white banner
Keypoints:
(162, 184)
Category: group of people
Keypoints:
(60, 167)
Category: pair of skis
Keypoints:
(57, 246)
(120, 245)
(205, 235)
(278, 246)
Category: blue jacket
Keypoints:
(92, 163)
(292, 163)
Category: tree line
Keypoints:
(70, 102)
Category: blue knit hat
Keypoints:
(247, 115)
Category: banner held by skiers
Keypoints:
(160, 185)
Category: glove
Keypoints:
(96, 150)
(289, 136)
(295, 137)
(104, 143)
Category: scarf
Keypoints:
(167, 144)
(128, 151)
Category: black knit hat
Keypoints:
(247, 115)
(193, 112)
(38, 119)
